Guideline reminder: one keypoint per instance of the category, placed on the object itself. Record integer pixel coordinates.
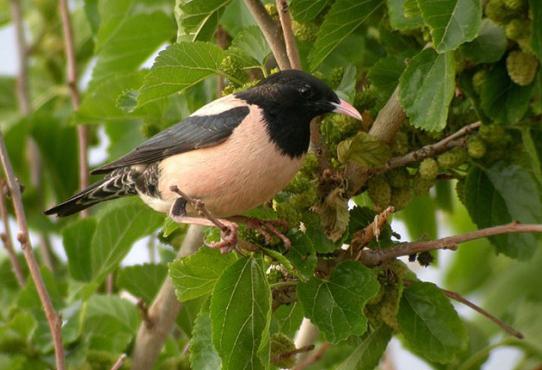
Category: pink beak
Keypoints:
(346, 108)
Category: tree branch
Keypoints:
(386, 125)
(53, 318)
(163, 311)
(82, 131)
(271, 32)
(120, 361)
(449, 142)
(374, 257)
(289, 39)
(6, 238)
(22, 76)
(507, 328)
(313, 357)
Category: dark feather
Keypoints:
(192, 133)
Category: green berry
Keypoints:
(497, 11)
(521, 67)
(398, 178)
(516, 5)
(478, 80)
(476, 148)
(272, 10)
(305, 31)
(400, 144)
(452, 158)
(379, 191)
(493, 134)
(428, 169)
(517, 29)
(401, 197)
(336, 76)
(421, 186)
(232, 67)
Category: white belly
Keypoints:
(231, 178)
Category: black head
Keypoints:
(290, 99)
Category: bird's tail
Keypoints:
(117, 184)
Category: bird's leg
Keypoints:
(266, 228)
(228, 229)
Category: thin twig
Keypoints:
(6, 238)
(53, 319)
(200, 207)
(82, 132)
(287, 32)
(271, 32)
(314, 357)
(449, 142)
(507, 328)
(285, 355)
(120, 361)
(22, 76)
(374, 257)
(371, 231)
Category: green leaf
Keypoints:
(198, 19)
(118, 228)
(347, 87)
(241, 315)
(100, 102)
(342, 19)
(77, 238)
(143, 281)
(363, 149)
(287, 318)
(536, 38)
(203, 355)
(110, 322)
(307, 10)
(452, 22)
(250, 41)
(302, 254)
(426, 89)
(489, 46)
(196, 275)
(530, 149)
(336, 305)
(367, 355)
(430, 324)
(487, 206)
(398, 19)
(179, 67)
(503, 100)
(125, 40)
(385, 74)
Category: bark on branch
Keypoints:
(375, 257)
(163, 311)
(289, 39)
(71, 66)
(53, 319)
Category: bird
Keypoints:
(229, 156)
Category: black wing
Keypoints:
(192, 133)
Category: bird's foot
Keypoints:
(267, 228)
(228, 237)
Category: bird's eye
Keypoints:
(305, 91)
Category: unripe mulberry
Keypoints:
(379, 191)
(452, 158)
(336, 77)
(400, 197)
(478, 80)
(428, 169)
(516, 5)
(517, 29)
(476, 148)
(231, 67)
(305, 31)
(497, 11)
(272, 11)
(521, 67)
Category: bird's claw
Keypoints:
(228, 238)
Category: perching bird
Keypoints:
(233, 154)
